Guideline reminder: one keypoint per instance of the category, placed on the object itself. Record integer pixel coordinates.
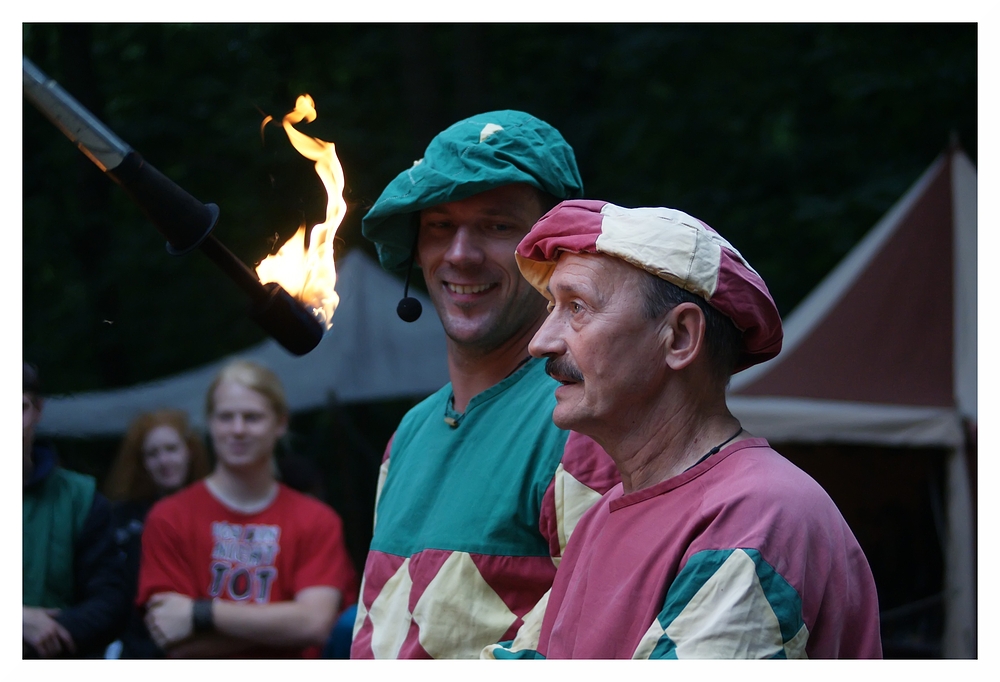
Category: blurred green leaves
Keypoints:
(790, 139)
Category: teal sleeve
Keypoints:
(503, 651)
(727, 604)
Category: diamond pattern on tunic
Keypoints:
(572, 499)
(649, 641)
(383, 472)
(729, 617)
(796, 646)
(448, 627)
(389, 614)
(359, 618)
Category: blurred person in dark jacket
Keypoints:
(74, 600)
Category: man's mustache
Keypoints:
(561, 369)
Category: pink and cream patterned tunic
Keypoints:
(472, 516)
(741, 556)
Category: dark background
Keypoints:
(791, 139)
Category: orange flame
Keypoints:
(309, 274)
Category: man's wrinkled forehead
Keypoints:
(591, 275)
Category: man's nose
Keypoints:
(465, 248)
(547, 341)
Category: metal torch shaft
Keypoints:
(182, 219)
(91, 136)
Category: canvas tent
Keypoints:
(883, 353)
(368, 354)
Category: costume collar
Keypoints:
(686, 476)
(453, 418)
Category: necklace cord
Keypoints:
(718, 447)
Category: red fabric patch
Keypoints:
(519, 581)
(572, 226)
(742, 296)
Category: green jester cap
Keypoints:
(477, 154)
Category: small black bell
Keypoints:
(409, 308)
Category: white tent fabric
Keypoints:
(368, 354)
(805, 420)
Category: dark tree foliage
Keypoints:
(790, 139)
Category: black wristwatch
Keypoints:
(201, 615)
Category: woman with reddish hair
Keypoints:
(159, 455)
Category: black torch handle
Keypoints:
(245, 278)
(186, 222)
(178, 216)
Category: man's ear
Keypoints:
(684, 335)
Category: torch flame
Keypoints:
(308, 273)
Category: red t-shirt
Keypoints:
(194, 545)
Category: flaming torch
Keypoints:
(309, 274)
(186, 222)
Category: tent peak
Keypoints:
(954, 145)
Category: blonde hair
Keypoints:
(129, 479)
(255, 377)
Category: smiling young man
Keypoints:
(479, 490)
(240, 565)
(714, 545)
(489, 312)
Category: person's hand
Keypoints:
(169, 618)
(43, 634)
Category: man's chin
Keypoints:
(563, 417)
(242, 461)
(465, 331)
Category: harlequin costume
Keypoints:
(742, 555)
(472, 519)
(473, 509)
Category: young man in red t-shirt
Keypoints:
(239, 564)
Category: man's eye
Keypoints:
(575, 307)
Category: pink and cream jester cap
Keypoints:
(668, 243)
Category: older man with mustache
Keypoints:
(713, 545)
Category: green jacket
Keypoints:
(53, 513)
